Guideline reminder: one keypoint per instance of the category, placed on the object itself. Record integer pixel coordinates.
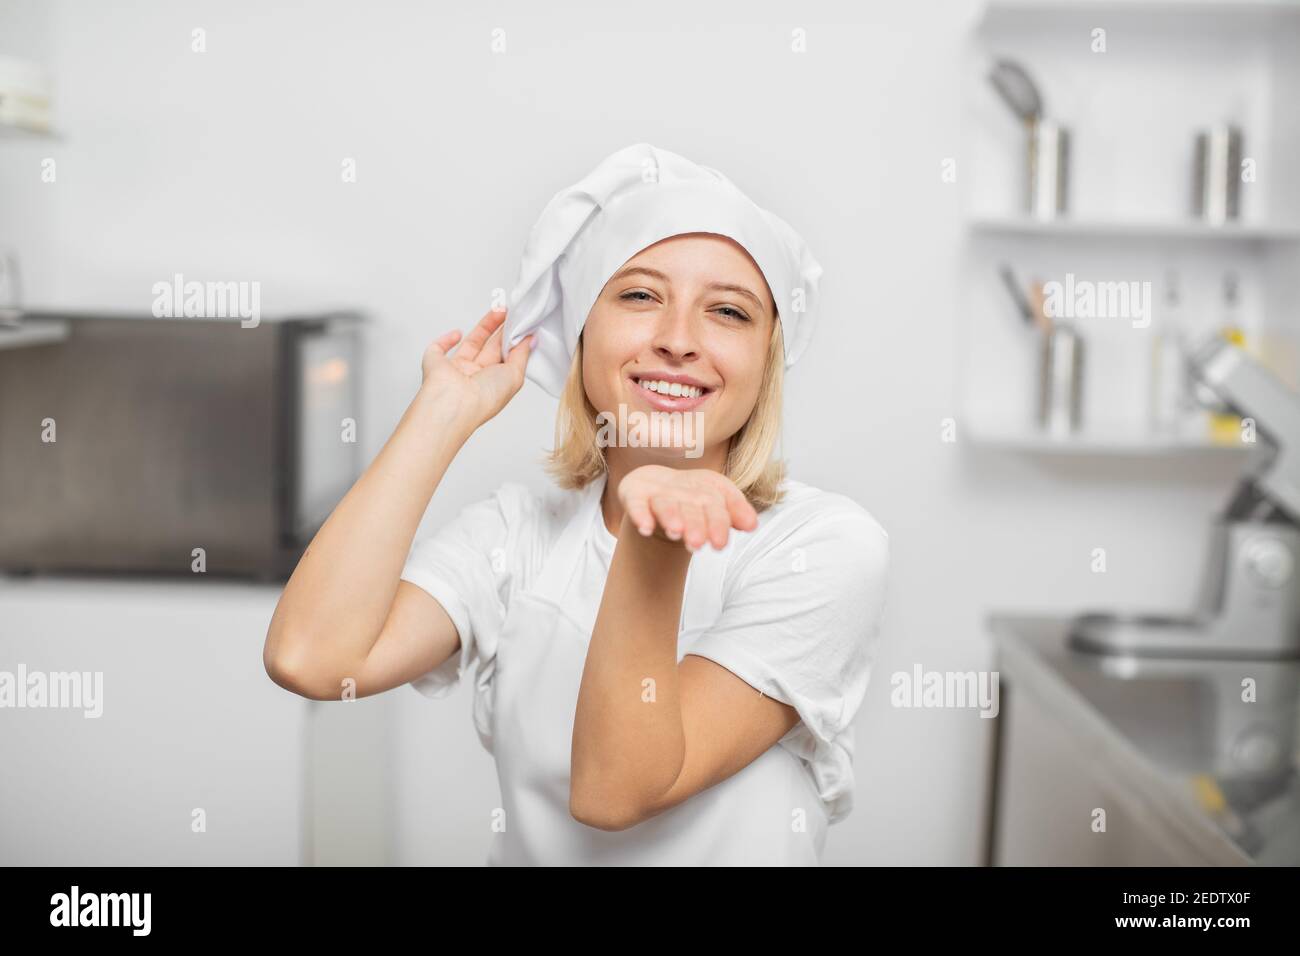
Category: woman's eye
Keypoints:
(640, 295)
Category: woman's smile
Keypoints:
(670, 392)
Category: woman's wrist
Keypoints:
(656, 542)
(445, 413)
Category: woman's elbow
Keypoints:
(291, 671)
(602, 811)
(281, 671)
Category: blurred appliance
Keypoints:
(136, 440)
(1250, 605)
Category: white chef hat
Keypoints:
(633, 199)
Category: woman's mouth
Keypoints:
(671, 396)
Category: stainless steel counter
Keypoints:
(1188, 768)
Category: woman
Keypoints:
(670, 647)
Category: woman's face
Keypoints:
(690, 310)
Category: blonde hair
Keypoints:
(578, 459)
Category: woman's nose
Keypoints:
(675, 336)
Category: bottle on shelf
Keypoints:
(1172, 406)
(1224, 427)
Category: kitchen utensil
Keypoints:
(1047, 142)
(1038, 297)
(1049, 168)
(1017, 90)
(1031, 306)
(1023, 305)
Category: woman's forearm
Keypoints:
(337, 600)
(629, 744)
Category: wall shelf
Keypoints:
(1133, 81)
(23, 134)
(1100, 443)
(1120, 229)
(1208, 15)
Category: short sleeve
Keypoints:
(800, 621)
(463, 567)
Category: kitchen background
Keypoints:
(875, 130)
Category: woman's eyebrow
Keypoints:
(716, 286)
(640, 270)
(739, 289)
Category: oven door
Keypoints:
(323, 450)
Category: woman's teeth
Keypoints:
(672, 388)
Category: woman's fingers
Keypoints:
(490, 354)
(669, 514)
(742, 513)
(443, 343)
(638, 509)
(687, 510)
(707, 522)
(695, 526)
(719, 523)
(475, 341)
(518, 356)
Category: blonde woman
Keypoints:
(669, 646)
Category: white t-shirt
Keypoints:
(797, 616)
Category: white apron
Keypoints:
(767, 814)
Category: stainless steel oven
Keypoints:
(135, 444)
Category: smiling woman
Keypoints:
(669, 650)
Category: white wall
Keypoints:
(226, 165)
(195, 757)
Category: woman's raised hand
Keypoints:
(475, 378)
(692, 505)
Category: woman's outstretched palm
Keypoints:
(475, 377)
